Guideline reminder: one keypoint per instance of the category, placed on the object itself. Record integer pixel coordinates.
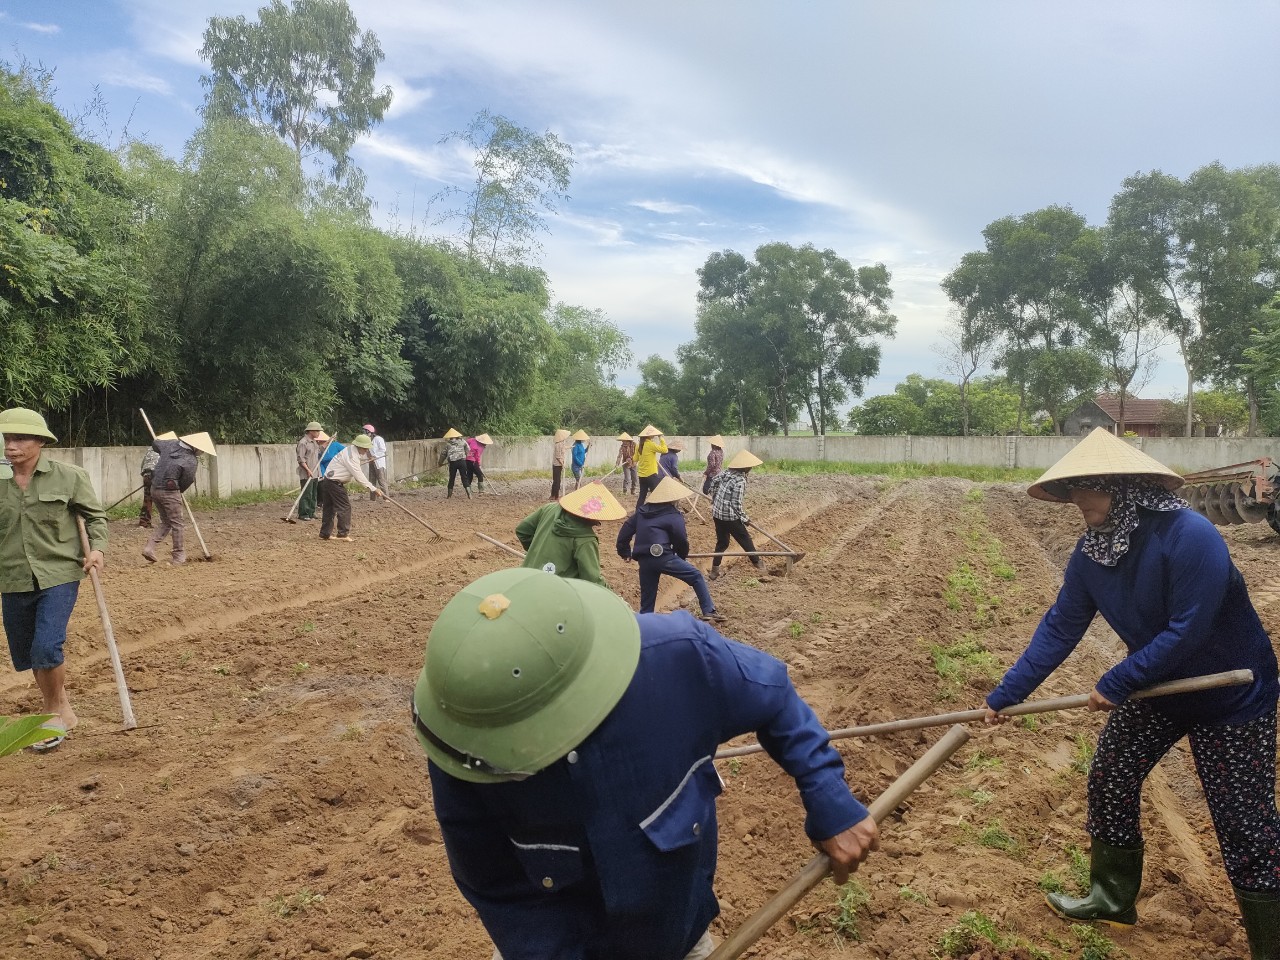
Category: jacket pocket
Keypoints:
(688, 811)
(52, 508)
(550, 867)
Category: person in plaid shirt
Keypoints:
(726, 490)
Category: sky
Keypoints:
(888, 132)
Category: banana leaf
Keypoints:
(24, 731)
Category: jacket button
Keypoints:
(548, 882)
(697, 829)
(573, 756)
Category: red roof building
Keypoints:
(1144, 418)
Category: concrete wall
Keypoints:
(114, 470)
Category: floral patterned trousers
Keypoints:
(1237, 768)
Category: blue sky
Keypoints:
(886, 131)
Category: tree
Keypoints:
(1026, 291)
(1229, 229)
(74, 312)
(800, 320)
(303, 70)
(520, 176)
(964, 351)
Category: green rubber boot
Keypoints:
(1260, 911)
(1115, 876)
(480, 486)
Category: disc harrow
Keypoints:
(1239, 493)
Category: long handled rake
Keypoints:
(122, 688)
(195, 526)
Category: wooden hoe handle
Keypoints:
(817, 868)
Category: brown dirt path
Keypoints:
(273, 803)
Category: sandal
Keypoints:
(59, 734)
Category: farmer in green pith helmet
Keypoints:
(308, 456)
(347, 466)
(40, 557)
(1161, 576)
(571, 744)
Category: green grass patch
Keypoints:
(959, 663)
(978, 797)
(913, 896)
(983, 761)
(295, 903)
(1095, 945)
(994, 836)
(1082, 754)
(851, 901)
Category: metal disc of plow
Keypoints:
(1227, 503)
(1249, 508)
(1211, 510)
(1193, 494)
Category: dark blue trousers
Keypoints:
(652, 569)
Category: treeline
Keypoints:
(227, 291)
(1049, 312)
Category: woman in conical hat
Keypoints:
(455, 455)
(1161, 576)
(715, 461)
(578, 456)
(558, 451)
(627, 462)
(560, 538)
(475, 451)
(656, 538)
(648, 447)
(727, 490)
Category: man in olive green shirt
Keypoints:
(40, 557)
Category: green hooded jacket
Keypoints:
(561, 543)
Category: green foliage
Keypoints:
(20, 732)
(519, 176)
(74, 314)
(1095, 945)
(965, 660)
(1082, 755)
(923, 406)
(797, 324)
(851, 900)
(303, 71)
(995, 837)
(913, 896)
(973, 930)
(293, 904)
(981, 760)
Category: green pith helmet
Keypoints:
(313, 425)
(521, 667)
(362, 441)
(24, 422)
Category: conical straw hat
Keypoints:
(485, 439)
(450, 434)
(675, 446)
(562, 434)
(323, 437)
(201, 441)
(167, 435)
(1100, 454)
(743, 459)
(623, 436)
(669, 490)
(716, 441)
(593, 501)
(582, 435)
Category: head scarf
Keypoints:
(1108, 543)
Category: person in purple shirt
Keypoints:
(1161, 576)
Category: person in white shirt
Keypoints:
(378, 465)
(346, 467)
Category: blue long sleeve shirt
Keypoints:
(579, 454)
(1182, 609)
(610, 853)
(332, 450)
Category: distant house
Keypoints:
(1145, 418)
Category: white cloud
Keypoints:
(664, 207)
(405, 97)
(138, 81)
(42, 27)
(438, 164)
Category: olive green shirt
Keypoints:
(39, 542)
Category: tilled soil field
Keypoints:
(273, 802)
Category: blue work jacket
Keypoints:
(660, 523)
(610, 852)
(1181, 608)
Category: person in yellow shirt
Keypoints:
(650, 444)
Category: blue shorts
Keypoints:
(36, 625)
